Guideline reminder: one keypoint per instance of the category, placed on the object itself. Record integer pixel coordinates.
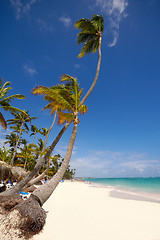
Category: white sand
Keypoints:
(78, 211)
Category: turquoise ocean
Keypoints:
(148, 185)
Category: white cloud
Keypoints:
(44, 26)
(114, 11)
(115, 164)
(66, 21)
(29, 70)
(21, 8)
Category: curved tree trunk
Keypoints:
(97, 73)
(15, 148)
(40, 177)
(54, 119)
(30, 216)
(44, 192)
(40, 163)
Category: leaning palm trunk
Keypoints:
(38, 178)
(29, 214)
(16, 146)
(97, 73)
(45, 191)
(15, 190)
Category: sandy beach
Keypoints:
(80, 211)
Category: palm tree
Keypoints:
(71, 93)
(32, 206)
(91, 36)
(11, 140)
(27, 157)
(69, 98)
(21, 120)
(4, 155)
(35, 130)
(5, 102)
(32, 215)
(38, 148)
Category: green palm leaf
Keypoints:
(85, 25)
(2, 121)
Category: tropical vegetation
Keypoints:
(65, 102)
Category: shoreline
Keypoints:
(82, 211)
(130, 194)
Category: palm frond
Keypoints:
(6, 84)
(98, 21)
(88, 48)
(26, 126)
(83, 109)
(85, 25)
(64, 117)
(15, 96)
(66, 77)
(83, 37)
(39, 90)
(2, 121)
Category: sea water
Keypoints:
(150, 184)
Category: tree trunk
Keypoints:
(25, 164)
(37, 179)
(49, 132)
(34, 137)
(40, 163)
(44, 192)
(15, 148)
(97, 73)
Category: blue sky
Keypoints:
(120, 134)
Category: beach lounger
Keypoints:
(24, 195)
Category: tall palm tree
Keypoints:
(21, 120)
(91, 36)
(72, 94)
(5, 102)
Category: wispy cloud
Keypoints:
(29, 70)
(62, 148)
(114, 11)
(77, 65)
(45, 26)
(115, 164)
(66, 21)
(22, 8)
